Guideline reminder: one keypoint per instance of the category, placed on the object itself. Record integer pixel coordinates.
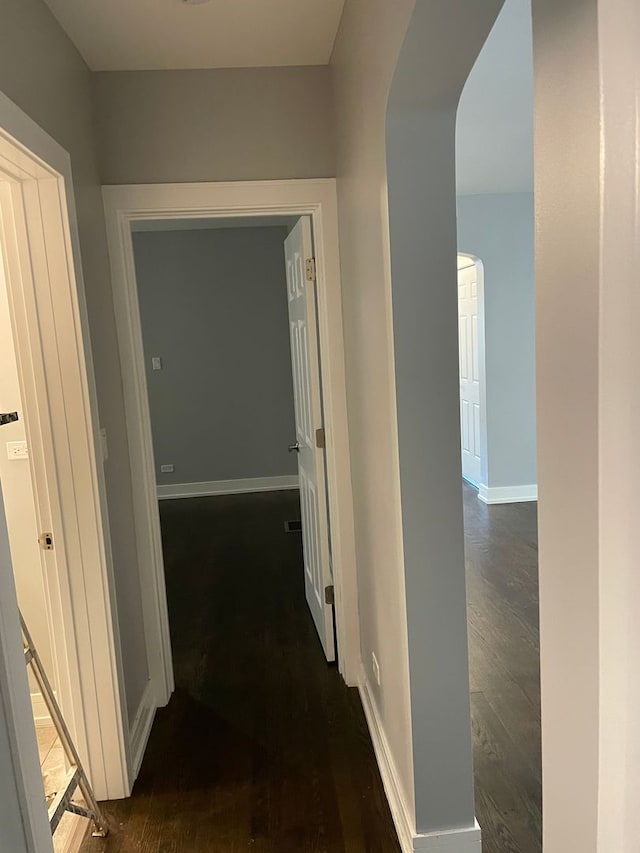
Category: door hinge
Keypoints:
(310, 269)
(329, 595)
(321, 438)
(45, 541)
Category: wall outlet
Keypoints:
(166, 469)
(17, 450)
(376, 668)
(156, 363)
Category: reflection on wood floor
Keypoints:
(502, 605)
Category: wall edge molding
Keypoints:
(228, 487)
(141, 727)
(507, 494)
(464, 840)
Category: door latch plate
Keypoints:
(45, 541)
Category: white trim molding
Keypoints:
(463, 840)
(507, 494)
(228, 487)
(141, 727)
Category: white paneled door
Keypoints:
(469, 372)
(309, 423)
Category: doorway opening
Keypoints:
(30, 572)
(244, 408)
(54, 528)
(496, 299)
(229, 325)
(308, 210)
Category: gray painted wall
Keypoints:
(42, 72)
(499, 230)
(441, 43)
(362, 64)
(235, 124)
(494, 136)
(214, 307)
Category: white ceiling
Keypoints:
(494, 133)
(123, 35)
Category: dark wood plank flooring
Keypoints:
(262, 747)
(502, 604)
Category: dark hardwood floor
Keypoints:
(262, 747)
(502, 604)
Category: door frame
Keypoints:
(41, 256)
(317, 198)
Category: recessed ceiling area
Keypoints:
(136, 35)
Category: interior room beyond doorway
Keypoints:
(261, 730)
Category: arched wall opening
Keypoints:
(587, 243)
(434, 62)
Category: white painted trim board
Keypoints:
(507, 494)
(228, 487)
(141, 727)
(464, 840)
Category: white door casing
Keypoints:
(317, 199)
(303, 327)
(469, 344)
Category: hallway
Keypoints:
(502, 604)
(262, 747)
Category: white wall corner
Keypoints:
(464, 840)
(228, 487)
(508, 494)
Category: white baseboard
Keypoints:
(141, 728)
(507, 494)
(228, 487)
(464, 840)
(40, 712)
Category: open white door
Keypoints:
(309, 420)
(469, 372)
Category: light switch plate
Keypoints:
(17, 450)
(156, 363)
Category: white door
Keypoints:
(308, 415)
(469, 373)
